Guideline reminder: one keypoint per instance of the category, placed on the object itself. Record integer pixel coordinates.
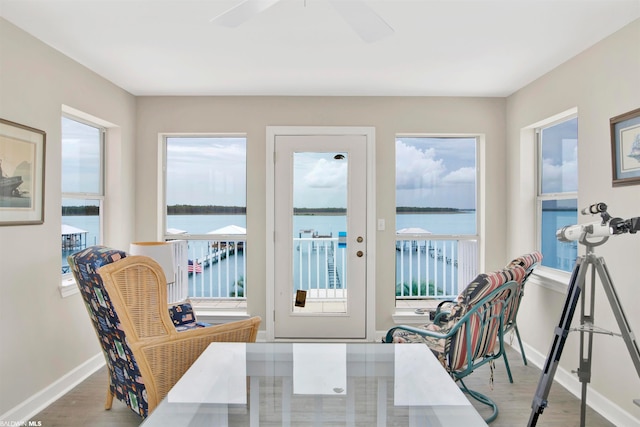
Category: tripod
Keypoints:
(586, 329)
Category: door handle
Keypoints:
(359, 254)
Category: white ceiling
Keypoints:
(303, 47)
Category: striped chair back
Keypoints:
(477, 337)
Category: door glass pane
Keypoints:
(319, 232)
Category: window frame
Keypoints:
(552, 273)
(409, 315)
(67, 278)
(206, 306)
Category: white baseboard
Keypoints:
(39, 401)
(596, 401)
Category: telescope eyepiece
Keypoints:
(594, 209)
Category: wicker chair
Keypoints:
(471, 333)
(145, 353)
(528, 262)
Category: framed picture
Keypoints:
(625, 148)
(22, 151)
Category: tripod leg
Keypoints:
(586, 338)
(560, 336)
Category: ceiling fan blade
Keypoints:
(364, 20)
(242, 12)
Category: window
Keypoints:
(436, 219)
(557, 191)
(205, 198)
(82, 186)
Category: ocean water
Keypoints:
(221, 278)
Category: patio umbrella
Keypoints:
(176, 231)
(413, 230)
(229, 229)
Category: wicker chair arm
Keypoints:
(167, 358)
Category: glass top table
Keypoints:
(306, 384)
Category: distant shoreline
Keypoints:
(240, 210)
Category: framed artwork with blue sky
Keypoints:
(625, 148)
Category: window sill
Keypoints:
(554, 280)
(404, 317)
(68, 287)
(219, 311)
(406, 313)
(220, 316)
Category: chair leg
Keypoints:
(485, 400)
(506, 364)
(524, 358)
(109, 401)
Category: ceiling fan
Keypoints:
(364, 20)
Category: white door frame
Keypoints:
(370, 239)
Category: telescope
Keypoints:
(606, 227)
(576, 295)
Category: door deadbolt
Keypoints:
(359, 239)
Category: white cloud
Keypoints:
(417, 168)
(423, 177)
(461, 176)
(206, 171)
(563, 176)
(326, 174)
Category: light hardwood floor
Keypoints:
(84, 405)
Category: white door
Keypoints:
(320, 236)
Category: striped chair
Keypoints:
(472, 334)
(528, 262)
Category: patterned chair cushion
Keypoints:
(526, 261)
(125, 380)
(184, 318)
(452, 352)
(436, 345)
(486, 283)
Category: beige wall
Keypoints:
(389, 116)
(602, 82)
(44, 336)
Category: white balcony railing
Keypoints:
(217, 268)
(426, 267)
(319, 266)
(434, 266)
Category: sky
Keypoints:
(436, 172)
(430, 172)
(206, 173)
(560, 157)
(320, 180)
(80, 157)
(440, 174)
